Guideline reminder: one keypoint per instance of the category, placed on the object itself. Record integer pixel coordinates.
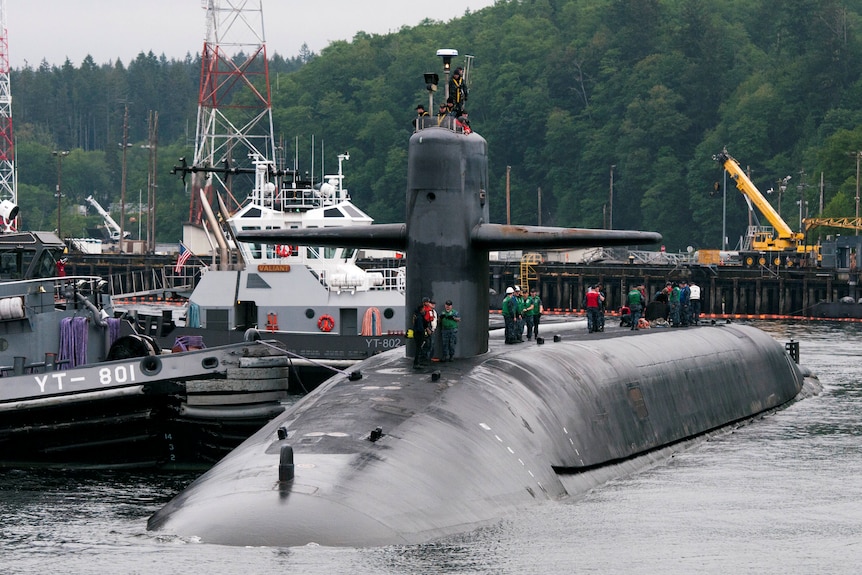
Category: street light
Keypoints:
(59, 194)
(801, 187)
(858, 156)
(724, 212)
(782, 187)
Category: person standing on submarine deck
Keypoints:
(636, 304)
(510, 312)
(419, 327)
(533, 313)
(449, 327)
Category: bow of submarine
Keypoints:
(492, 434)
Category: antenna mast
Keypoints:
(8, 181)
(234, 102)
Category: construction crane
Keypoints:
(114, 231)
(775, 245)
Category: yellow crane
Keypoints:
(776, 245)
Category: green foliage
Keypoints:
(561, 89)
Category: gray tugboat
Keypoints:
(80, 388)
(317, 300)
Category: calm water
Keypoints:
(782, 495)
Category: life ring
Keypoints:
(283, 251)
(325, 323)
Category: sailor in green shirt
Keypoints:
(449, 321)
(673, 301)
(533, 313)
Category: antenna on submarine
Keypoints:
(467, 65)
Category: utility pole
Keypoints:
(724, 213)
(125, 146)
(801, 196)
(152, 146)
(60, 156)
(508, 196)
(858, 156)
(540, 206)
(611, 200)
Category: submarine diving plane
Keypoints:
(387, 455)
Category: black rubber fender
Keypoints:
(151, 365)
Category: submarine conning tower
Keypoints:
(447, 182)
(449, 236)
(446, 233)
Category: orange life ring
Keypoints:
(283, 251)
(325, 323)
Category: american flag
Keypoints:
(185, 254)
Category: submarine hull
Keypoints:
(480, 438)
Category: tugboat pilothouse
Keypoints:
(316, 299)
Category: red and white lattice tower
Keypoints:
(8, 182)
(234, 103)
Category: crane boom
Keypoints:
(113, 227)
(846, 223)
(747, 187)
(778, 245)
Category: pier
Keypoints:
(725, 289)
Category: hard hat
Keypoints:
(517, 288)
(509, 290)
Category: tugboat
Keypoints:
(80, 388)
(327, 310)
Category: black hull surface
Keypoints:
(466, 442)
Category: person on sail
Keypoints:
(421, 115)
(458, 91)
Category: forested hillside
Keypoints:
(562, 90)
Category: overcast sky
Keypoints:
(54, 30)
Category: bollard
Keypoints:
(285, 464)
(792, 348)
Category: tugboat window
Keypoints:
(46, 267)
(9, 266)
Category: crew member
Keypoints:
(421, 114)
(533, 313)
(458, 91)
(449, 328)
(419, 328)
(635, 300)
(593, 302)
(694, 303)
(510, 311)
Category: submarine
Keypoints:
(386, 454)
